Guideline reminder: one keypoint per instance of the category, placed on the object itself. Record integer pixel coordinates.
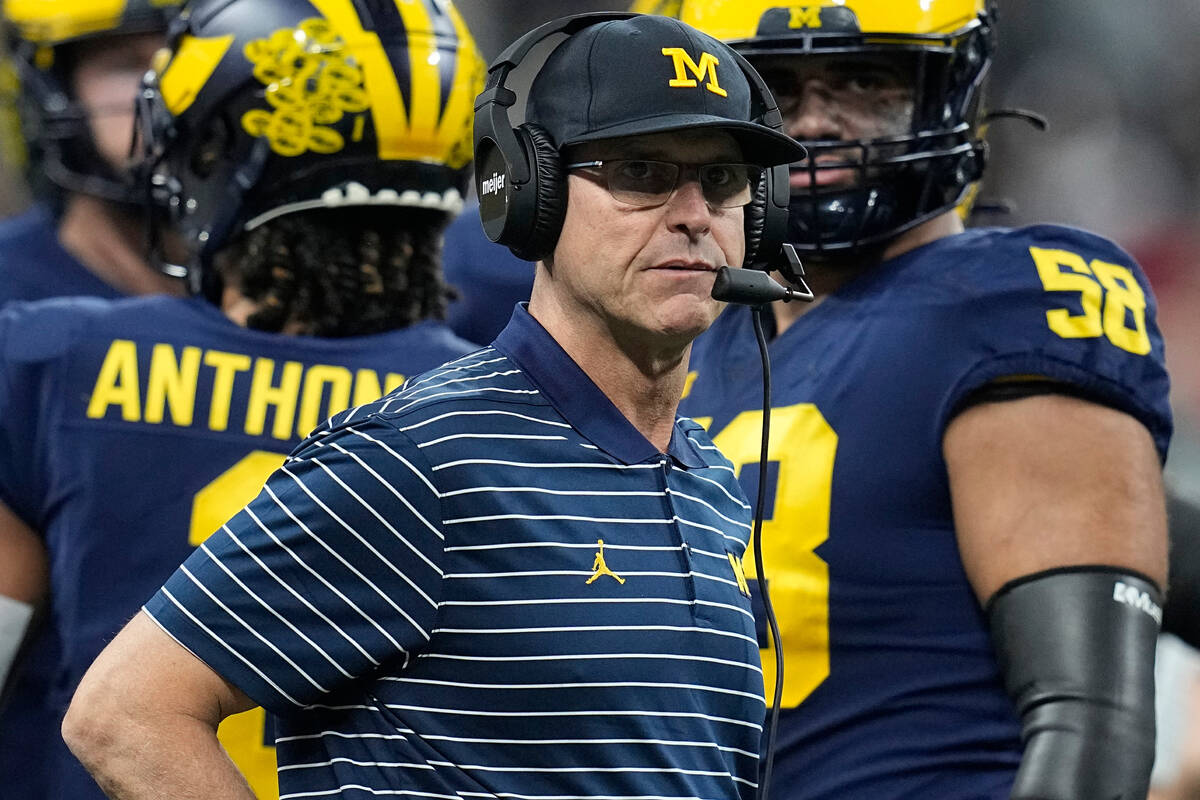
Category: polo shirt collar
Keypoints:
(581, 403)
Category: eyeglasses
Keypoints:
(649, 184)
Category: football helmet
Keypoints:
(901, 180)
(54, 137)
(262, 108)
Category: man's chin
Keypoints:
(685, 318)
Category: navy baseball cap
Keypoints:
(651, 74)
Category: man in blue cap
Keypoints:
(520, 573)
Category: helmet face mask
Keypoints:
(869, 177)
(49, 42)
(265, 108)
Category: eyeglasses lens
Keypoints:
(650, 183)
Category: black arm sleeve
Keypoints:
(1076, 648)
(1181, 613)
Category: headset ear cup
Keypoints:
(755, 218)
(550, 194)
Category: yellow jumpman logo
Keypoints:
(602, 568)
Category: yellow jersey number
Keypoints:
(242, 735)
(1113, 303)
(804, 446)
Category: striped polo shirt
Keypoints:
(490, 584)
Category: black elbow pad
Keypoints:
(1076, 649)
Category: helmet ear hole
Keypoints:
(212, 149)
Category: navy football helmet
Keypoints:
(267, 107)
(901, 180)
(51, 134)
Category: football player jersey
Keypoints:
(34, 265)
(891, 688)
(133, 429)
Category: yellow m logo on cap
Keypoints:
(706, 68)
(805, 17)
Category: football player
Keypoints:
(77, 68)
(70, 78)
(966, 541)
(308, 159)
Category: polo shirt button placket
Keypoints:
(685, 549)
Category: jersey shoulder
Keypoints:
(35, 266)
(993, 262)
(33, 227)
(42, 330)
(51, 323)
(1048, 302)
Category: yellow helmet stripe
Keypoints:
(739, 19)
(425, 91)
(387, 104)
(468, 82)
(46, 21)
(667, 8)
(192, 66)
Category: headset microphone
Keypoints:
(756, 288)
(752, 287)
(748, 287)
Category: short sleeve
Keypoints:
(1058, 303)
(333, 570)
(32, 340)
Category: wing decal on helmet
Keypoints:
(459, 104)
(424, 96)
(410, 121)
(386, 103)
(191, 68)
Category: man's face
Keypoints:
(835, 98)
(107, 75)
(647, 273)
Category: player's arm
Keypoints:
(144, 721)
(24, 579)
(1061, 522)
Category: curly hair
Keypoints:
(341, 272)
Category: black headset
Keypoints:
(519, 175)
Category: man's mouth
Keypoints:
(833, 174)
(686, 266)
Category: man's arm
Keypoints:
(144, 721)
(1061, 522)
(23, 583)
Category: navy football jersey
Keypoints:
(489, 279)
(35, 266)
(891, 688)
(133, 429)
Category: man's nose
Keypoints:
(815, 115)
(687, 210)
